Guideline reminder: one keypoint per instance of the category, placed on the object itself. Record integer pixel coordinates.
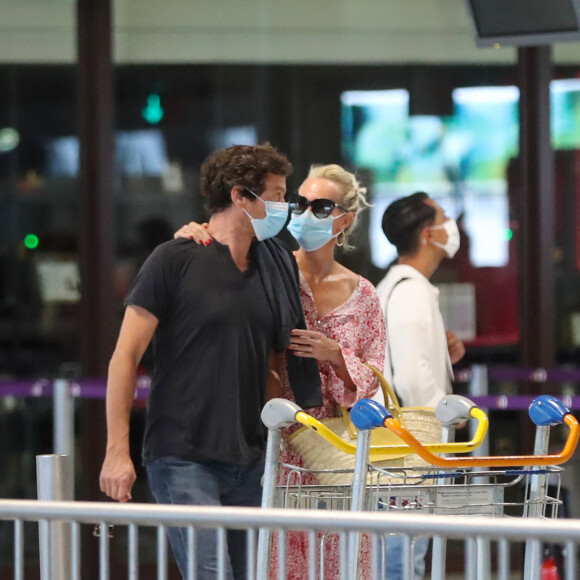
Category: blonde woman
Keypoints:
(344, 319)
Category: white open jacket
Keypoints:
(417, 342)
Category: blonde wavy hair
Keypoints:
(353, 194)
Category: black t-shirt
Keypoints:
(211, 348)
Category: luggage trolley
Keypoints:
(354, 494)
(457, 491)
(437, 488)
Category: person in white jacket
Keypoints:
(420, 351)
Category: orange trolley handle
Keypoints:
(544, 410)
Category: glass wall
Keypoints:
(39, 209)
(451, 131)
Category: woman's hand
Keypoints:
(313, 344)
(196, 232)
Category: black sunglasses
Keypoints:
(321, 208)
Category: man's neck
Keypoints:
(228, 228)
(424, 263)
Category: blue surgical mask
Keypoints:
(311, 232)
(272, 224)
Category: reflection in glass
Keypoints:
(460, 160)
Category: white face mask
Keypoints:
(452, 244)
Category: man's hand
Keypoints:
(273, 382)
(117, 475)
(455, 346)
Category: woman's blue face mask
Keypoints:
(311, 232)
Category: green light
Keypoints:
(153, 111)
(9, 139)
(508, 234)
(31, 241)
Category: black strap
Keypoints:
(387, 328)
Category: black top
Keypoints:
(211, 347)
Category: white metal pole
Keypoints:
(63, 420)
(268, 498)
(479, 387)
(359, 484)
(54, 483)
(439, 549)
(533, 509)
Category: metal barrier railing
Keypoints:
(377, 525)
(64, 391)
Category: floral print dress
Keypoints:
(359, 328)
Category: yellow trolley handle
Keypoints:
(406, 449)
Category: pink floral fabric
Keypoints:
(358, 326)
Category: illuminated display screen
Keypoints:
(138, 153)
(460, 160)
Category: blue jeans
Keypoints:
(180, 482)
(395, 554)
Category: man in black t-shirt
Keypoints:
(214, 316)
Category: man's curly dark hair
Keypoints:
(244, 165)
